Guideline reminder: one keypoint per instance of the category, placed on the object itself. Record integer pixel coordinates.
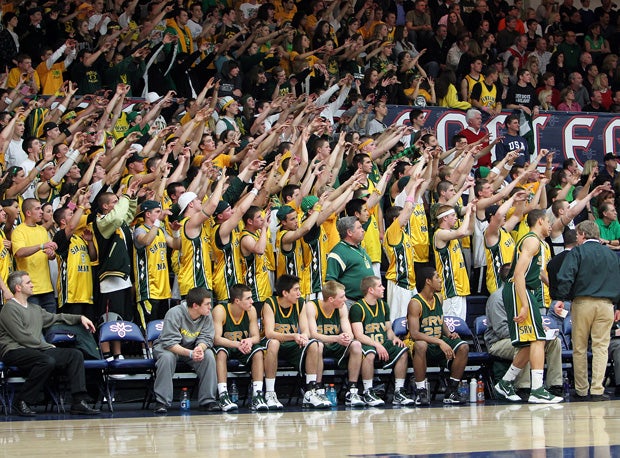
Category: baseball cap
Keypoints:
(284, 211)
(222, 205)
(308, 202)
(185, 199)
(135, 157)
(149, 205)
(49, 126)
(610, 156)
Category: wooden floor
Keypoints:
(571, 429)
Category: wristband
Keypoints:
(202, 210)
(410, 199)
(507, 167)
(81, 207)
(67, 132)
(71, 205)
(42, 247)
(176, 234)
(191, 354)
(61, 108)
(495, 170)
(254, 191)
(157, 223)
(8, 101)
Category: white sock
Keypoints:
(367, 384)
(537, 379)
(270, 385)
(256, 387)
(399, 383)
(310, 378)
(421, 385)
(222, 388)
(512, 373)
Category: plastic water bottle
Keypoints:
(463, 389)
(332, 395)
(185, 402)
(565, 386)
(480, 392)
(473, 386)
(234, 393)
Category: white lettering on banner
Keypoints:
(538, 125)
(572, 141)
(610, 137)
(581, 137)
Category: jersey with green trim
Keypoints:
(328, 325)
(372, 317)
(431, 317)
(286, 319)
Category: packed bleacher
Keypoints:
(225, 170)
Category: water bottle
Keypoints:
(473, 386)
(234, 393)
(565, 386)
(463, 389)
(185, 402)
(480, 392)
(331, 395)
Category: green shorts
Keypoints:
(434, 355)
(243, 359)
(338, 352)
(394, 351)
(292, 353)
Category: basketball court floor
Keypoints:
(572, 429)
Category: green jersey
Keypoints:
(372, 317)
(431, 318)
(328, 325)
(532, 276)
(286, 319)
(235, 330)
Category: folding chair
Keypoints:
(125, 332)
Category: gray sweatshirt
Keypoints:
(180, 329)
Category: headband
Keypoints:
(446, 213)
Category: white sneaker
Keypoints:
(272, 401)
(353, 399)
(313, 399)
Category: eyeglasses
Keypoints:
(91, 133)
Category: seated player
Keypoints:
(287, 337)
(328, 322)
(372, 327)
(434, 343)
(237, 337)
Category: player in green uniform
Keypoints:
(523, 312)
(237, 337)
(434, 343)
(328, 322)
(372, 327)
(287, 337)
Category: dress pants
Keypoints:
(592, 318)
(39, 365)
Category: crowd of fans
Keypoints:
(150, 147)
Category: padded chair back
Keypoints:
(399, 326)
(123, 331)
(481, 324)
(153, 330)
(458, 325)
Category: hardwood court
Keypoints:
(570, 429)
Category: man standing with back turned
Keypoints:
(590, 275)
